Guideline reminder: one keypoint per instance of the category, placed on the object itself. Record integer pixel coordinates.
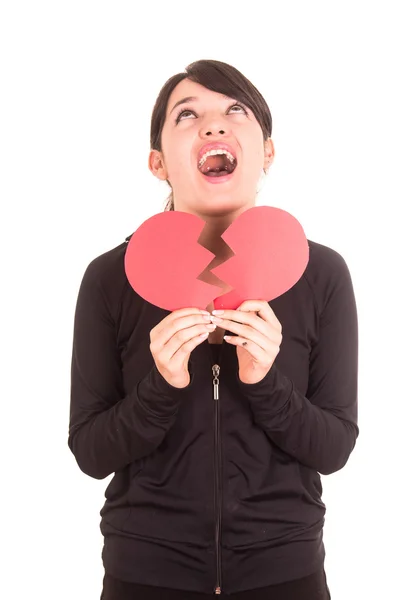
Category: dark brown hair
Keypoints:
(218, 77)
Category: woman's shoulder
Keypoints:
(109, 264)
(105, 275)
(325, 262)
(327, 273)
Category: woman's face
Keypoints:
(195, 118)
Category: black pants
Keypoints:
(313, 587)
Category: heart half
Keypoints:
(163, 259)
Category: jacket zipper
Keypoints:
(217, 487)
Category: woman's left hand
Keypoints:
(258, 337)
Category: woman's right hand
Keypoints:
(174, 338)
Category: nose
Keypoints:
(213, 125)
(221, 131)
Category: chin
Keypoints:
(221, 205)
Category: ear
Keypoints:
(269, 153)
(157, 165)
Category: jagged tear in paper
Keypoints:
(163, 259)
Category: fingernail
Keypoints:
(218, 312)
(205, 312)
(216, 320)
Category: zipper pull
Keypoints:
(215, 381)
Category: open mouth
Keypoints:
(217, 163)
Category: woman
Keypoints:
(214, 496)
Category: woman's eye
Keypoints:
(183, 113)
(186, 113)
(239, 107)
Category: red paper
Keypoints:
(163, 259)
(271, 254)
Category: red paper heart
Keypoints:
(163, 259)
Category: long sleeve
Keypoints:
(319, 429)
(108, 429)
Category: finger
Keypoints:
(178, 314)
(259, 354)
(188, 346)
(263, 355)
(178, 358)
(250, 334)
(166, 351)
(264, 310)
(168, 327)
(248, 319)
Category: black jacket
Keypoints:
(214, 493)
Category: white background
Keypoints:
(78, 83)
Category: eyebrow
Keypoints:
(187, 99)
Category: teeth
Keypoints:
(214, 153)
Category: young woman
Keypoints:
(214, 493)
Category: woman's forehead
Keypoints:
(188, 90)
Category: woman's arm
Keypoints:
(108, 429)
(319, 429)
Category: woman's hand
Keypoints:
(174, 338)
(258, 337)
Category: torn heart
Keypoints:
(164, 259)
(271, 253)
